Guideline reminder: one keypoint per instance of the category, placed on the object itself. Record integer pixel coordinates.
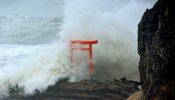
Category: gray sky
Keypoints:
(31, 7)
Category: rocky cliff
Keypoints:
(156, 47)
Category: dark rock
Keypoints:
(123, 79)
(135, 82)
(83, 90)
(156, 47)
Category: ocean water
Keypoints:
(34, 50)
(25, 51)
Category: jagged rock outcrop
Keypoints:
(83, 90)
(156, 47)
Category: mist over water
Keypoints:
(35, 8)
(29, 30)
(114, 24)
(34, 49)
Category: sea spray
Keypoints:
(113, 23)
(43, 67)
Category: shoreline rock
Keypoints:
(83, 90)
(156, 47)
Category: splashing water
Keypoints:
(38, 64)
(114, 24)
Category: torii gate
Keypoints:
(83, 42)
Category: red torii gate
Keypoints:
(83, 42)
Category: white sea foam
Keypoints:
(112, 22)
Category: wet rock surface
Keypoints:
(156, 47)
(83, 90)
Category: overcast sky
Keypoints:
(31, 7)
